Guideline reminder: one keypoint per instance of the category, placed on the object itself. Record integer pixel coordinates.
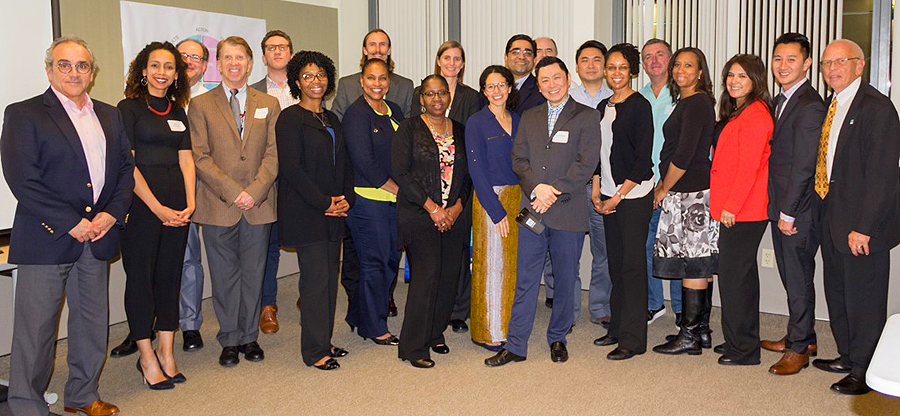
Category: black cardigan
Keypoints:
(632, 147)
(307, 177)
(415, 165)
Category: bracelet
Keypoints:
(436, 207)
(620, 195)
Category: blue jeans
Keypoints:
(654, 286)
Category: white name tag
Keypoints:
(176, 125)
(261, 112)
(561, 137)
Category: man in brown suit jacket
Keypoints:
(233, 138)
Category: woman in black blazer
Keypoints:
(429, 163)
(315, 191)
(622, 191)
(450, 63)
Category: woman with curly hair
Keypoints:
(156, 229)
(315, 191)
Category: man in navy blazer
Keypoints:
(68, 162)
(519, 59)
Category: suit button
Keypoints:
(87, 209)
(88, 184)
(548, 146)
(544, 167)
(243, 157)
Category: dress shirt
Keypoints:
(242, 101)
(553, 114)
(198, 89)
(521, 81)
(662, 106)
(787, 97)
(581, 95)
(844, 99)
(283, 94)
(90, 133)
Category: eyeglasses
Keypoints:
(281, 48)
(494, 87)
(65, 67)
(520, 51)
(432, 94)
(839, 62)
(191, 57)
(309, 76)
(624, 68)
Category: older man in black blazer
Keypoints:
(799, 112)
(68, 162)
(857, 194)
(554, 154)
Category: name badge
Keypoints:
(669, 109)
(176, 125)
(261, 112)
(561, 137)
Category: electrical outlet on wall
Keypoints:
(768, 258)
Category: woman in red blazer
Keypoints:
(738, 200)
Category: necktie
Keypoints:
(822, 159)
(779, 104)
(236, 110)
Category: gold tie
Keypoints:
(822, 159)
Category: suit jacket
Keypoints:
(261, 86)
(536, 159)
(348, 90)
(368, 136)
(792, 163)
(864, 191)
(312, 169)
(227, 164)
(466, 102)
(46, 169)
(529, 96)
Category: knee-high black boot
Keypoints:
(688, 339)
(705, 331)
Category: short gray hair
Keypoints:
(48, 58)
(202, 47)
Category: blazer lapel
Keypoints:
(249, 113)
(567, 112)
(59, 116)
(225, 108)
(106, 123)
(850, 119)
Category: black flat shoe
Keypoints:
(606, 340)
(502, 358)
(330, 364)
(337, 352)
(421, 363)
(726, 360)
(719, 349)
(252, 351)
(441, 349)
(391, 340)
(621, 354)
(192, 341)
(852, 385)
(392, 307)
(831, 366)
(229, 357)
(459, 325)
(126, 348)
(162, 385)
(558, 352)
(548, 303)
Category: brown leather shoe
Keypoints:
(779, 346)
(268, 319)
(97, 408)
(790, 363)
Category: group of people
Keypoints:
(666, 185)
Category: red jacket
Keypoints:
(740, 167)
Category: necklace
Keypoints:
(160, 113)
(322, 119)
(373, 105)
(434, 132)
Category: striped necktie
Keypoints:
(822, 159)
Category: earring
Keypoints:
(144, 81)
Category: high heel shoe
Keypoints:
(330, 364)
(162, 385)
(177, 378)
(391, 340)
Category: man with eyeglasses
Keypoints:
(856, 197)
(519, 59)
(233, 139)
(68, 162)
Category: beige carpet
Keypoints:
(373, 381)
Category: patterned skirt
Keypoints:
(493, 268)
(687, 240)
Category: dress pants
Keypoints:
(374, 228)
(319, 269)
(565, 249)
(626, 254)
(463, 303)
(237, 259)
(739, 289)
(270, 277)
(350, 265)
(655, 297)
(856, 290)
(796, 259)
(434, 263)
(39, 297)
(190, 313)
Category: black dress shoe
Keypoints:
(192, 341)
(229, 357)
(831, 366)
(126, 348)
(549, 303)
(330, 364)
(851, 384)
(606, 340)
(421, 363)
(621, 354)
(252, 351)
(392, 308)
(503, 357)
(391, 340)
(459, 325)
(441, 349)
(719, 349)
(337, 352)
(558, 352)
(726, 360)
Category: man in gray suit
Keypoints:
(554, 153)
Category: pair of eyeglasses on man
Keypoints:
(309, 76)
(432, 94)
(281, 48)
(839, 62)
(191, 57)
(81, 67)
(520, 51)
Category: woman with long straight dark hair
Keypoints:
(738, 200)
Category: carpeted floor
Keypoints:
(373, 381)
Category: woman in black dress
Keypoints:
(156, 229)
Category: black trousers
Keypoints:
(739, 289)
(626, 252)
(856, 290)
(434, 263)
(319, 268)
(796, 259)
(463, 303)
(349, 265)
(152, 255)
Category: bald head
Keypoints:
(842, 63)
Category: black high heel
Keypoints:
(177, 378)
(391, 340)
(162, 385)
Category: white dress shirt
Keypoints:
(844, 99)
